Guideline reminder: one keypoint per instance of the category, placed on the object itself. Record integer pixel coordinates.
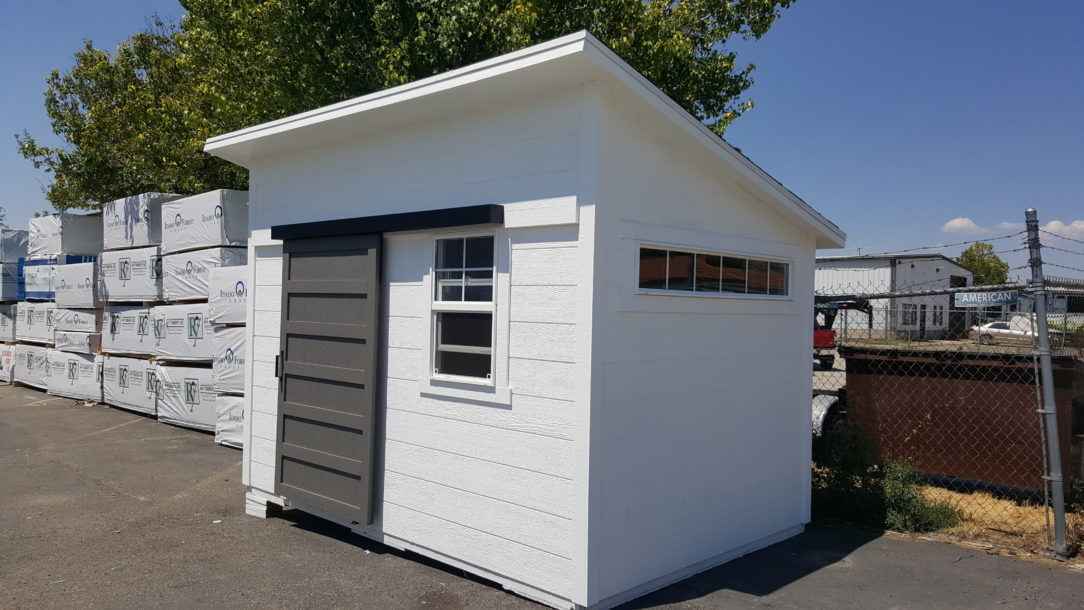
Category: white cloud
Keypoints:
(1074, 229)
(963, 225)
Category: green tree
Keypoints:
(135, 120)
(988, 268)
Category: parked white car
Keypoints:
(1001, 332)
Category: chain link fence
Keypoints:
(928, 412)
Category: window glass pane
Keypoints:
(758, 277)
(480, 252)
(465, 329)
(652, 268)
(464, 365)
(464, 344)
(449, 285)
(707, 273)
(777, 276)
(733, 274)
(680, 271)
(449, 253)
(482, 294)
(479, 286)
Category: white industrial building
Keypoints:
(532, 319)
(926, 316)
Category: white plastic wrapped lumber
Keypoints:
(186, 397)
(216, 218)
(134, 221)
(9, 281)
(186, 276)
(7, 364)
(228, 294)
(76, 376)
(13, 244)
(229, 359)
(131, 275)
(126, 329)
(32, 365)
(65, 234)
(230, 422)
(129, 383)
(8, 314)
(37, 278)
(77, 320)
(76, 285)
(34, 322)
(77, 342)
(181, 333)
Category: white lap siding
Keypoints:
(262, 388)
(490, 484)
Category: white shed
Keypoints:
(531, 319)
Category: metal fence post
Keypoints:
(1050, 409)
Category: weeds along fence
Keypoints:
(929, 413)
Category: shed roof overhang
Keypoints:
(387, 223)
(567, 61)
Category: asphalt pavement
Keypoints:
(102, 508)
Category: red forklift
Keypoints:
(825, 310)
(830, 404)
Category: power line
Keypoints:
(1077, 252)
(1079, 241)
(951, 245)
(1063, 267)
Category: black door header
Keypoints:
(386, 223)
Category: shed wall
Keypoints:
(490, 485)
(700, 435)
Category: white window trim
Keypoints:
(496, 389)
(737, 296)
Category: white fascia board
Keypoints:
(828, 234)
(221, 145)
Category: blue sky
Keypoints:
(892, 118)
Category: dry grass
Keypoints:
(1000, 520)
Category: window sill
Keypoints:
(463, 388)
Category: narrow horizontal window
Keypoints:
(702, 272)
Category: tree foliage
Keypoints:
(135, 120)
(987, 267)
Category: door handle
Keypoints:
(278, 365)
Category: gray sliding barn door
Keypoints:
(327, 372)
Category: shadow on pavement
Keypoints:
(323, 527)
(767, 570)
(758, 574)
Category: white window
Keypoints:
(910, 314)
(938, 315)
(463, 308)
(706, 273)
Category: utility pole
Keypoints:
(1050, 408)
